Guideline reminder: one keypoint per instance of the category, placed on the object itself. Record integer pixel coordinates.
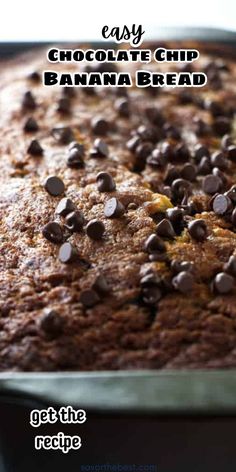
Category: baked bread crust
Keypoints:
(194, 329)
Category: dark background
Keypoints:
(173, 443)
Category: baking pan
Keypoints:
(160, 392)
(189, 392)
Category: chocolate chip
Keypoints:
(85, 264)
(148, 133)
(151, 295)
(211, 184)
(63, 134)
(132, 206)
(167, 151)
(154, 116)
(67, 253)
(51, 322)
(171, 132)
(165, 229)
(99, 125)
(226, 141)
(65, 206)
(76, 145)
(179, 187)
(221, 176)
(184, 201)
(157, 257)
(204, 166)
(122, 107)
(171, 174)
(100, 149)
(133, 143)
(154, 244)
(95, 229)
(184, 204)
(74, 221)
(230, 266)
(34, 76)
(198, 230)
(156, 159)
(221, 125)
(180, 266)
(201, 127)
(183, 282)
(200, 151)
(182, 152)
(233, 217)
(54, 186)
(218, 160)
(28, 101)
(223, 283)
(150, 279)
(31, 125)
(215, 108)
(89, 298)
(231, 153)
(64, 105)
(142, 151)
(146, 269)
(100, 285)
(35, 148)
(210, 202)
(105, 182)
(75, 157)
(113, 208)
(166, 190)
(53, 232)
(189, 207)
(232, 193)
(188, 172)
(175, 215)
(221, 204)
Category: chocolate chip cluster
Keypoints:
(177, 167)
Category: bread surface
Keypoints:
(46, 321)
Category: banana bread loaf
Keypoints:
(117, 221)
